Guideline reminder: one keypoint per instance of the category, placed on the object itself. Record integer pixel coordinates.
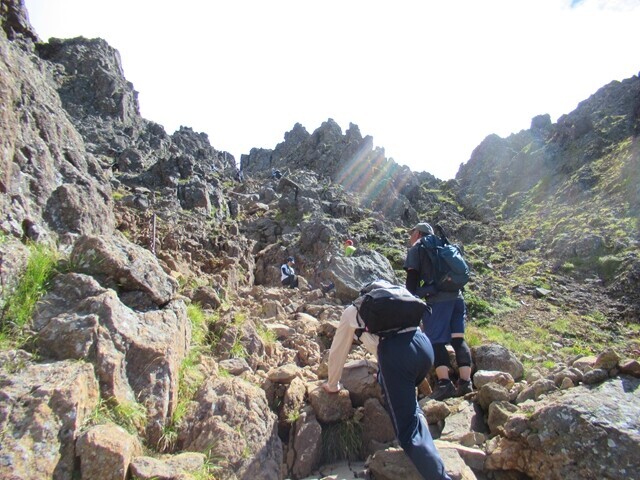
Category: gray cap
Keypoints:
(423, 227)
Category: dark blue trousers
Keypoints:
(404, 360)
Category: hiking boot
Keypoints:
(464, 387)
(444, 389)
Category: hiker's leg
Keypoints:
(438, 328)
(463, 353)
(404, 360)
(441, 360)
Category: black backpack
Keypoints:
(384, 308)
(450, 271)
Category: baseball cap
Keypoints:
(423, 227)
(290, 259)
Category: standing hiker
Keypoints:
(445, 323)
(404, 357)
(288, 276)
(349, 248)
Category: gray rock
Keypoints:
(584, 432)
(496, 357)
(122, 265)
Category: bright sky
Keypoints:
(429, 80)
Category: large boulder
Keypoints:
(42, 408)
(123, 266)
(137, 356)
(105, 452)
(231, 420)
(498, 358)
(583, 432)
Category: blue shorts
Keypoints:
(445, 318)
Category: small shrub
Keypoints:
(608, 266)
(293, 416)
(567, 267)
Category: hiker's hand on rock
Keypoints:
(329, 389)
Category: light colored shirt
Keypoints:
(348, 251)
(342, 341)
(285, 271)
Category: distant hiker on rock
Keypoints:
(276, 174)
(349, 248)
(288, 276)
(239, 176)
(404, 357)
(445, 323)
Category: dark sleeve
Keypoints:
(412, 262)
(412, 280)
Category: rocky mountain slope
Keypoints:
(144, 333)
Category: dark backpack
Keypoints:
(384, 308)
(450, 271)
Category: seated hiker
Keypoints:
(349, 248)
(404, 359)
(288, 276)
(276, 174)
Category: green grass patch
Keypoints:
(267, 336)
(608, 266)
(238, 350)
(579, 348)
(33, 284)
(342, 441)
(527, 269)
(131, 416)
(472, 336)
(199, 323)
(191, 377)
(516, 344)
(562, 325)
(207, 471)
(478, 309)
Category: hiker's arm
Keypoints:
(412, 281)
(340, 348)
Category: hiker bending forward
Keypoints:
(404, 359)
